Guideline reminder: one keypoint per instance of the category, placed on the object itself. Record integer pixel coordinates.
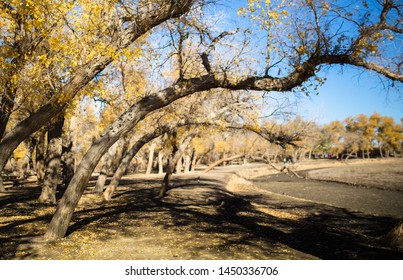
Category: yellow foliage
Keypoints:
(221, 146)
(19, 153)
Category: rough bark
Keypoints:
(6, 105)
(214, 164)
(60, 221)
(121, 150)
(124, 164)
(68, 162)
(40, 157)
(103, 175)
(22, 131)
(53, 163)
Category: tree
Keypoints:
(111, 28)
(52, 162)
(336, 130)
(179, 144)
(389, 135)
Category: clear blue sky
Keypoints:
(347, 92)
(351, 93)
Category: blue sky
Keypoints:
(351, 93)
(347, 92)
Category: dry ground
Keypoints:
(374, 173)
(213, 216)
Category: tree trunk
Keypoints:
(224, 155)
(25, 168)
(121, 170)
(177, 156)
(380, 149)
(103, 175)
(348, 156)
(194, 161)
(179, 166)
(188, 163)
(121, 150)
(53, 163)
(151, 150)
(160, 162)
(214, 164)
(61, 219)
(68, 161)
(2, 188)
(40, 157)
(167, 179)
(275, 156)
(6, 105)
(13, 164)
(124, 164)
(22, 131)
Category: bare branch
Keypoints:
(204, 55)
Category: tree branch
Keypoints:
(204, 55)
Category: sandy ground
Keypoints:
(225, 214)
(370, 187)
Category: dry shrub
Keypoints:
(238, 184)
(394, 238)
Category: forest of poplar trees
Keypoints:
(161, 87)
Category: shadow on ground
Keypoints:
(197, 220)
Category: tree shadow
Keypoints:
(328, 233)
(206, 207)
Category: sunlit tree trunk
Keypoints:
(2, 188)
(194, 161)
(103, 174)
(26, 166)
(188, 163)
(214, 164)
(151, 150)
(179, 166)
(160, 162)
